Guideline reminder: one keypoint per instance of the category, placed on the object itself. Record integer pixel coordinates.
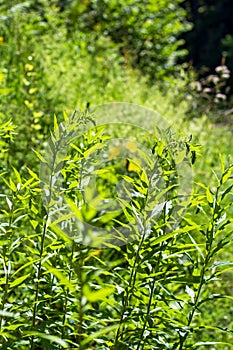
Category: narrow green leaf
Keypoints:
(101, 294)
(227, 173)
(23, 267)
(55, 126)
(164, 237)
(196, 246)
(12, 185)
(209, 196)
(34, 175)
(66, 118)
(13, 327)
(27, 183)
(60, 276)
(17, 175)
(76, 148)
(51, 338)
(92, 149)
(41, 158)
(99, 333)
(59, 232)
(9, 203)
(74, 209)
(226, 191)
(19, 280)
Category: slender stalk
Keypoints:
(5, 294)
(43, 234)
(66, 295)
(131, 284)
(133, 274)
(152, 291)
(149, 303)
(80, 314)
(209, 243)
(191, 315)
(6, 261)
(39, 271)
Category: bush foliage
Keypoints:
(146, 32)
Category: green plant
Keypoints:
(7, 132)
(145, 32)
(150, 293)
(62, 284)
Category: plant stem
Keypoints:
(131, 284)
(80, 314)
(133, 274)
(66, 294)
(153, 284)
(149, 303)
(209, 243)
(36, 299)
(43, 234)
(6, 261)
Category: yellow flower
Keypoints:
(28, 66)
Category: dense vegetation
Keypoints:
(115, 220)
